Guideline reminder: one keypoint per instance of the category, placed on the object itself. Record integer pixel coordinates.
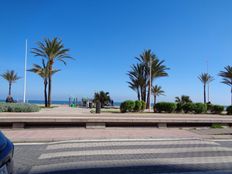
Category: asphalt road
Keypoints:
(125, 157)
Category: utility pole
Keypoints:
(207, 68)
(25, 74)
(150, 84)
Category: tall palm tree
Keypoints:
(158, 69)
(11, 76)
(137, 80)
(157, 91)
(53, 50)
(43, 72)
(205, 78)
(227, 78)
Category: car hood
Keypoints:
(3, 141)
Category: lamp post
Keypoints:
(25, 75)
(150, 85)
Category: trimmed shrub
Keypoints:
(229, 110)
(179, 107)
(18, 107)
(138, 106)
(199, 108)
(143, 106)
(127, 106)
(165, 107)
(123, 107)
(209, 107)
(217, 109)
(188, 107)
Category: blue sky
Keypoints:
(105, 35)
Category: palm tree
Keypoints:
(53, 50)
(137, 80)
(102, 97)
(205, 78)
(227, 78)
(158, 69)
(183, 99)
(43, 72)
(157, 91)
(11, 76)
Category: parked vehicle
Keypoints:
(6, 155)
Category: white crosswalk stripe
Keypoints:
(104, 144)
(131, 151)
(67, 150)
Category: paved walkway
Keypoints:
(61, 134)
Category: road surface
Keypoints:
(125, 157)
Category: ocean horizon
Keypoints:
(56, 102)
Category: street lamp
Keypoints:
(150, 84)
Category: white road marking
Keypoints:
(131, 151)
(104, 144)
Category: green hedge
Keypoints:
(143, 107)
(217, 109)
(229, 110)
(165, 107)
(209, 107)
(188, 107)
(127, 106)
(196, 108)
(18, 107)
(132, 106)
(138, 105)
(179, 107)
(199, 108)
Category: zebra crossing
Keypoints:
(136, 157)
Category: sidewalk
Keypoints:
(63, 134)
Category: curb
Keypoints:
(99, 140)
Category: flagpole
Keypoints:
(25, 75)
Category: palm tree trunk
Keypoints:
(49, 90)
(148, 99)
(9, 89)
(154, 99)
(154, 102)
(231, 95)
(50, 84)
(141, 92)
(138, 94)
(144, 93)
(204, 93)
(148, 94)
(45, 93)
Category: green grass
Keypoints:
(107, 111)
(216, 126)
(43, 107)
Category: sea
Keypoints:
(56, 102)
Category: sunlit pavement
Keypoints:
(125, 157)
(61, 134)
